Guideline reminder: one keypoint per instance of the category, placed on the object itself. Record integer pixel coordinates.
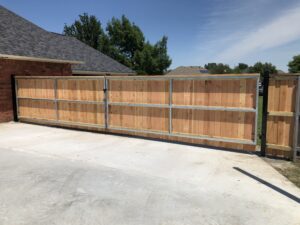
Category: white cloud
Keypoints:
(279, 31)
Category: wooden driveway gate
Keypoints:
(216, 110)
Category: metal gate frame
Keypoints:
(106, 103)
(171, 106)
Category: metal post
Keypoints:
(106, 102)
(265, 113)
(55, 99)
(296, 126)
(256, 110)
(170, 105)
(14, 88)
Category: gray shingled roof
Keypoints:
(20, 37)
(188, 70)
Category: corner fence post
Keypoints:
(14, 89)
(296, 126)
(266, 77)
(256, 110)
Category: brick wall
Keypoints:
(23, 68)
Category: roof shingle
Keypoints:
(20, 37)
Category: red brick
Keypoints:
(23, 68)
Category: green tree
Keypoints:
(241, 68)
(218, 68)
(87, 29)
(153, 59)
(144, 61)
(126, 38)
(260, 67)
(123, 41)
(294, 65)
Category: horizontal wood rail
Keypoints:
(287, 114)
(280, 147)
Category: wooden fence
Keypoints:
(215, 110)
(283, 116)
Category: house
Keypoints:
(280, 72)
(26, 49)
(188, 70)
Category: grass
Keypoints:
(292, 173)
(288, 169)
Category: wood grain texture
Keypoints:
(139, 91)
(140, 118)
(81, 113)
(280, 123)
(84, 90)
(238, 93)
(37, 109)
(225, 93)
(35, 88)
(214, 123)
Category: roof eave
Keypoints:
(38, 59)
(101, 72)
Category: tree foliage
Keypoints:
(259, 67)
(218, 68)
(294, 65)
(152, 59)
(123, 41)
(87, 29)
(241, 68)
(126, 38)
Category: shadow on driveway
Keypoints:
(275, 188)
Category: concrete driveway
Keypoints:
(57, 176)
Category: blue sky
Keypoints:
(199, 32)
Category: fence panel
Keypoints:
(61, 100)
(281, 115)
(216, 110)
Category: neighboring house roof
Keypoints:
(20, 37)
(280, 71)
(188, 70)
